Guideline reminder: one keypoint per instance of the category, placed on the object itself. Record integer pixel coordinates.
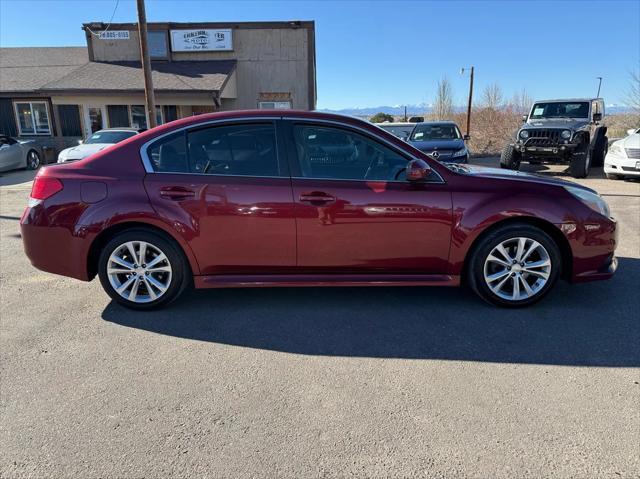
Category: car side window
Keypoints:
(334, 153)
(169, 154)
(240, 150)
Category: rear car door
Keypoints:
(225, 186)
(355, 211)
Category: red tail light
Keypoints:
(45, 187)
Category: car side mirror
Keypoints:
(466, 137)
(631, 131)
(418, 170)
(597, 117)
(524, 118)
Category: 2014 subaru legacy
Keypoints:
(264, 198)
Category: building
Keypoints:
(60, 94)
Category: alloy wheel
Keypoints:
(34, 160)
(517, 269)
(139, 271)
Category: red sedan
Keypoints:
(265, 198)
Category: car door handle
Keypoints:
(176, 193)
(317, 197)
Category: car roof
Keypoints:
(395, 123)
(557, 100)
(124, 128)
(438, 122)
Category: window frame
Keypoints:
(283, 164)
(294, 161)
(166, 45)
(33, 121)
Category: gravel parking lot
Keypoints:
(379, 382)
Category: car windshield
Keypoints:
(401, 131)
(435, 132)
(109, 137)
(570, 109)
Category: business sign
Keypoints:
(201, 40)
(114, 35)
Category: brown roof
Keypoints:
(27, 69)
(57, 69)
(181, 76)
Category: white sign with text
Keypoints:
(201, 40)
(114, 35)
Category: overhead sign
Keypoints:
(114, 35)
(201, 40)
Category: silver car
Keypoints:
(16, 154)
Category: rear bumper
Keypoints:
(52, 248)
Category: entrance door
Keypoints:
(94, 118)
(225, 188)
(356, 213)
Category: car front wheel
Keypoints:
(141, 269)
(514, 266)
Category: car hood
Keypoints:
(631, 141)
(502, 174)
(568, 123)
(82, 151)
(430, 145)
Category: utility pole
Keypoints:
(405, 113)
(146, 66)
(470, 99)
(599, 85)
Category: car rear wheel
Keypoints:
(141, 269)
(33, 160)
(514, 266)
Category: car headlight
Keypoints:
(524, 134)
(566, 134)
(592, 200)
(460, 153)
(617, 150)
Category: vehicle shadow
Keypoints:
(593, 324)
(16, 177)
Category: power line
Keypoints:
(109, 24)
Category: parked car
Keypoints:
(16, 154)
(560, 131)
(96, 142)
(441, 140)
(400, 129)
(623, 157)
(255, 198)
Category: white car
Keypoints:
(96, 142)
(623, 158)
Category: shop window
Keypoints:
(70, 124)
(170, 113)
(118, 116)
(274, 105)
(138, 116)
(157, 41)
(33, 118)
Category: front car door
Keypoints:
(228, 189)
(355, 211)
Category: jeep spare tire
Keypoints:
(510, 158)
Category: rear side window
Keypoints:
(239, 150)
(169, 154)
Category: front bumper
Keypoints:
(621, 165)
(544, 151)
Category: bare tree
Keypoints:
(443, 105)
(521, 102)
(632, 98)
(492, 97)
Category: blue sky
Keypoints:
(373, 53)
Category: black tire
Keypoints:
(599, 151)
(476, 265)
(33, 160)
(180, 277)
(510, 158)
(580, 162)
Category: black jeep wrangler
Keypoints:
(560, 131)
